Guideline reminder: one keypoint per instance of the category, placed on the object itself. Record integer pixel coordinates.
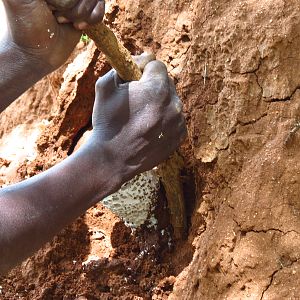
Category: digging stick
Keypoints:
(121, 60)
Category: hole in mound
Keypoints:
(189, 191)
(243, 233)
(132, 47)
(185, 38)
(197, 284)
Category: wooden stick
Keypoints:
(116, 54)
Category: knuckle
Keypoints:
(159, 65)
(97, 14)
(82, 12)
(163, 87)
(157, 68)
(95, 18)
(104, 81)
(160, 89)
(175, 114)
(152, 121)
(99, 83)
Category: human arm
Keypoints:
(33, 211)
(128, 120)
(36, 44)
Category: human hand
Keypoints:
(34, 28)
(141, 122)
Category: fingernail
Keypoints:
(62, 20)
(82, 25)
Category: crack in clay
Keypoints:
(252, 121)
(273, 275)
(263, 230)
(288, 98)
(266, 230)
(250, 71)
(245, 231)
(257, 81)
(270, 283)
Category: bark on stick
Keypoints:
(116, 54)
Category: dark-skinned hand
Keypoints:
(141, 122)
(49, 36)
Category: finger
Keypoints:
(181, 130)
(143, 59)
(81, 25)
(155, 69)
(85, 13)
(174, 96)
(97, 14)
(173, 120)
(81, 11)
(155, 80)
(61, 19)
(178, 136)
(106, 85)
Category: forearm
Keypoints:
(18, 72)
(35, 210)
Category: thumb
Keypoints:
(106, 85)
(155, 70)
(143, 59)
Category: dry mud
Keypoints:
(237, 69)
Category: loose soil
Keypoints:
(237, 69)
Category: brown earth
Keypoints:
(237, 69)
